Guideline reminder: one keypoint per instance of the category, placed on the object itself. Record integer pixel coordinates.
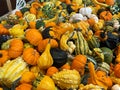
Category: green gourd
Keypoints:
(108, 54)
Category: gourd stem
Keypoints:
(1, 55)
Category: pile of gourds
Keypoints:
(61, 45)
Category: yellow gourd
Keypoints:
(45, 60)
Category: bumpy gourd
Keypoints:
(67, 79)
(45, 60)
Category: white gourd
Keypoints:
(85, 11)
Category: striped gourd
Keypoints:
(11, 71)
(93, 42)
(81, 45)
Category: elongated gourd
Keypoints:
(45, 60)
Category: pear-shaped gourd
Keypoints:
(45, 60)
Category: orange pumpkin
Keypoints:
(91, 21)
(42, 45)
(19, 14)
(78, 63)
(66, 66)
(51, 70)
(24, 86)
(32, 24)
(33, 10)
(30, 55)
(101, 1)
(27, 77)
(33, 36)
(117, 70)
(110, 2)
(15, 48)
(3, 30)
(3, 56)
(105, 15)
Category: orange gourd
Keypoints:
(32, 24)
(19, 14)
(66, 66)
(51, 70)
(106, 15)
(117, 70)
(33, 36)
(42, 45)
(110, 2)
(15, 48)
(31, 55)
(3, 30)
(24, 86)
(101, 1)
(27, 77)
(99, 77)
(33, 10)
(78, 63)
(91, 21)
(3, 56)
(36, 4)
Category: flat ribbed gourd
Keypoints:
(11, 71)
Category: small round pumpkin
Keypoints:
(24, 86)
(27, 77)
(42, 45)
(91, 21)
(19, 14)
(33, 36)
(78, 63)
(15, 48)
(117, 70)
(3, 30)
(3, 56)
(110, 2)
(66, 66)
(33, 10)
(30, 55)
(51, 70)
(105, 15)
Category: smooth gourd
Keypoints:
(45, 60)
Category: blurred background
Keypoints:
(4, 8)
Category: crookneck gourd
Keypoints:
(45, 60)
(43, 82)
(99, 77)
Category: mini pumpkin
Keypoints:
(117, 70)
(27, 77)
(24, 86)
(106, 15)
(15, 48)
(3, 30)
(110, 2)
(33, 36)
(3, 56)
(44, 42)
(31, 55)
(78, 63)
(51, 70)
